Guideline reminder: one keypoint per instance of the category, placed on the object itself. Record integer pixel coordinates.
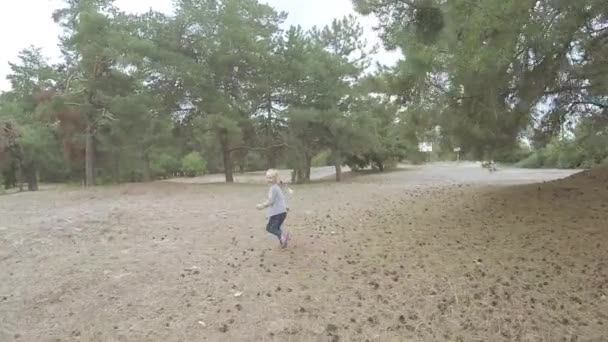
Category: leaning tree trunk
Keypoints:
(89, 164)
(227, 157)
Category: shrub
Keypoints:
(533, 161)
(164, 165)
(193, 164)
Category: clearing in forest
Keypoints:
(427, 253)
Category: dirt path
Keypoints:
(430, 254)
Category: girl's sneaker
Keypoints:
(285, 237)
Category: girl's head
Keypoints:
(272, 176)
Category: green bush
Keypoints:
(164, 165)
(417, 157)
(193, 164)
(569, 157)
(512, 155)
(562, 154)
(587, 164)
(533, 161)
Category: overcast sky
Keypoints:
(28, 22)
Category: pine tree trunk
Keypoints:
(227, 156)
(307, 167)
(146, 169)
(338, 173)
(19, 176)
(271, 159)
(228, 172)
(379, 164)
(301, 175)
(89, 164)
(31, 177)
(338, 166)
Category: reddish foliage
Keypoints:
(70, 123)
(73, 151)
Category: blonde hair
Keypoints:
(273, 173)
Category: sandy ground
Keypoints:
(434, 253)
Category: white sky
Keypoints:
(28, 22)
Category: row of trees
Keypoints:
(134, 94)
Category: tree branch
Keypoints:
(257, 148)
(592, 103)
(567, 88)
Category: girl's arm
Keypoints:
(289, 191)
(284, 186)
(268, 201)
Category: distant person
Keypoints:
(277, 207)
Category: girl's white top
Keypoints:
(276, 201)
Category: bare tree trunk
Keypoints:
(89, 164)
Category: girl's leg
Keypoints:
(274, 226)
(284, 235)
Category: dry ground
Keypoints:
(427, 254)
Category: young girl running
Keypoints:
(277, 207)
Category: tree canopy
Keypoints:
(488, 72)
